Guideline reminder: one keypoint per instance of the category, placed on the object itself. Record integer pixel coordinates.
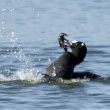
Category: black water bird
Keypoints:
(63, 67)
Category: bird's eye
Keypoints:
(82, 44)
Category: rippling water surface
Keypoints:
(28, 43)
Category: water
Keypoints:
(28, 43)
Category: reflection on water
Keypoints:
(28, 43)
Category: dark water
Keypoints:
(28, 43)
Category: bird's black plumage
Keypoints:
(63, 67)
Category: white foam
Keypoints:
(72, 81)
(28, 75)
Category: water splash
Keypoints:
(13, 39)
(25, 75)
(20, 55)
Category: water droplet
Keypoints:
(12, 10)
(39, 59)
(3, 9)
(38, 14)
(2, 22)
(49, 60)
